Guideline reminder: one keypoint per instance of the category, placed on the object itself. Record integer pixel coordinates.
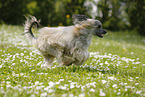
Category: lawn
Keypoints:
(116, 68)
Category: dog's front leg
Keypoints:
(48, 60)
(59, 58)
(81, 56)
(63, 60)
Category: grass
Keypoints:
(116, 67)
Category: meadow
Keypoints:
(116, 68)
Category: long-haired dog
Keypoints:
(67, 44)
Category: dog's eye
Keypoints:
(99, 26)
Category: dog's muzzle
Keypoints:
(100, 32)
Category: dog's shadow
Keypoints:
(80, 69)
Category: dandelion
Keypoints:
(118, 93)
(132, 53)
(83, 88)
(32, 70)
(101, 64)
(51, 84)
(60, 24)
(138, 92)
(136, 83)
(72, 86)
(17, 54)
(71, 95)
(50, 90)
(37, 83)
(1, 89)
(31, 53)
(25, 87)
(65, 85)
(57, 83)
(62, 87)
(130, 80)
(67, 16)
(47, 88)
(78, 86)
(8, 86)
(128, 87)
(21, 74)
(48, 25)
(125, 89)
(1, 66)
(32, 95)
(136, 62)
(64, 95)
(102, 93)
(114, 86)
(21, 54)
(112, 78)
(92, 90)
(106, 62)
(39, 63)
(43, 94)
(104, 81)
(82, 95)
(61, 80)
(13, 64)
(124, 50)
(16, 87)
(8, 82)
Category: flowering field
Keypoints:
(116, 67)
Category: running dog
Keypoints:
(67, 44)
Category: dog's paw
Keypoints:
(45, 66)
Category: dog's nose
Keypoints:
(105, 31)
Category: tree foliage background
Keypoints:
(114, 14)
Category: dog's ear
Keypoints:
(78, 18)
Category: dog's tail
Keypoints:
(29, 23)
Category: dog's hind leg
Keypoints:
(48, 60)
(59, 58)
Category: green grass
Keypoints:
(116, 68)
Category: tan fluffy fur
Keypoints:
(67, 44)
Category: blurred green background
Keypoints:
(114, 14)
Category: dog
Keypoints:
(67, 44)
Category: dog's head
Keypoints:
(94, 26)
